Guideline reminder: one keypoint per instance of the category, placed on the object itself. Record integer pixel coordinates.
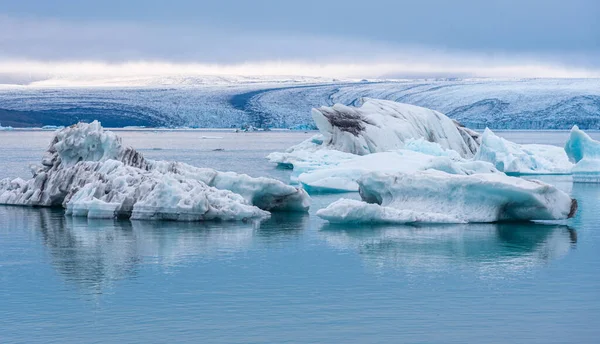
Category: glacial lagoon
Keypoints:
(292, 278)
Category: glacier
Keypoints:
(440, 197)
(516, 159)
(277, 102)
(89, 172)
(585, 153)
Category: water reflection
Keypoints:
(95, 253)
(492, 249)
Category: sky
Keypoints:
(338, 38)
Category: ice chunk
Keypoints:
(344, 176)
(518, 159)
(382, 125)
(89, 172)
(435, 196)
(5, 128)
(585, 153)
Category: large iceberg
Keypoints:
(585, 153)
(89, 172)
(382, 125)
(439, 197)
(513, 158)
(379, 126)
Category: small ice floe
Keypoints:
(585, 153)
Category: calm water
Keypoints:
(293, 278)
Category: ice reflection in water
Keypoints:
(94, 253)
(492, 249)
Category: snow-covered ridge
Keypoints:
(89, 172)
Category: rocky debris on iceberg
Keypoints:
(585, 153)
(440, 197)
(382, 125)
(89, 172)
(516, 159)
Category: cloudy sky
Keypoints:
(340, 38)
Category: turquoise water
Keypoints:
(293, 278)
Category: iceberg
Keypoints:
(5, 128)
(585, 153)
(512, 158)
(344, 176)
(89, 172)
(382, 125)
(440, 197)
(400, 137)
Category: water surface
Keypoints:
(293, 278)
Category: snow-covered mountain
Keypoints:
(285, 102)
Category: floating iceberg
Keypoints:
(513, 158)
(5, 128)
(585, 153)
(414, 134)
(382, 125)
(439, 197)
(87, 171)
(344, 176)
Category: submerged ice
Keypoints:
(89, 172)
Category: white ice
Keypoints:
(382, 125)
(344, 176)
(585, 153)
(89, 172)
(518, 159)
(435, 196)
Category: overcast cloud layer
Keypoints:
(337, 38)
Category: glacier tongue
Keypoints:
(435, 196)
(585, 153)
(518, 159)
(382, 125)
(88, 171)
